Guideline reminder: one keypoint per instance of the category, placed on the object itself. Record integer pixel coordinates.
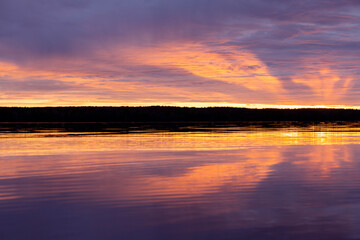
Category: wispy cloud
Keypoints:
(235, 51)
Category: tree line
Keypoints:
(170, 114)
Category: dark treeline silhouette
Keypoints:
(170, 114)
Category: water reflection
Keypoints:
(280, 184)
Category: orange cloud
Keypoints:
(222, 63)
(170, 74)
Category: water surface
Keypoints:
(220, 183)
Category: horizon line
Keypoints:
(202, 105)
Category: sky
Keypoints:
(180, 52)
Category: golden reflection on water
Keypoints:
(240, 158)
(35, 143)
(243, 179)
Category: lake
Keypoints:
(216, 183)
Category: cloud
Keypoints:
(35, 85)
(281, 52)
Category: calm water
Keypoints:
(287, 183)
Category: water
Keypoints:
(286, 183)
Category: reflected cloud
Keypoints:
(251, 183)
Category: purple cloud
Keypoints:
(296, 40)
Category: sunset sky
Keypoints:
(180, 52)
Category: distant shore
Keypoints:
(170, 114)
(157, 118)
